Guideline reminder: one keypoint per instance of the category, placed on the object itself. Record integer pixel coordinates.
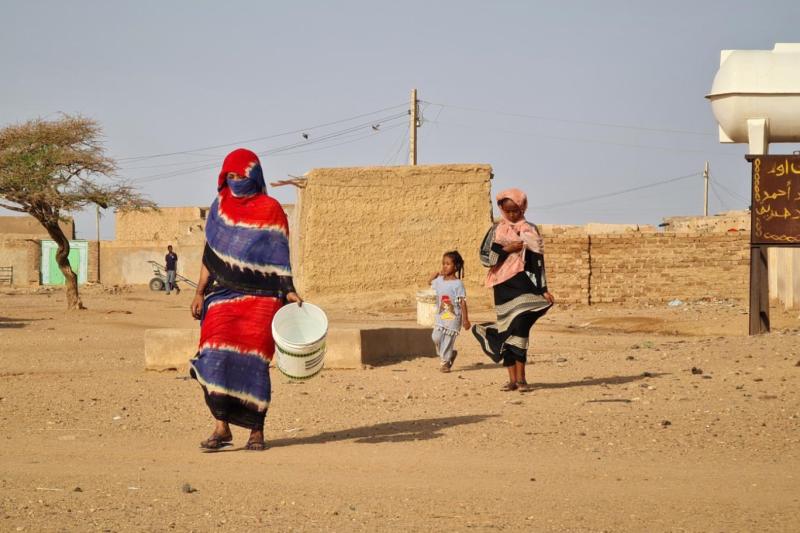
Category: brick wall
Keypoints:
(92, 270)
(647, 267)
(568, 267)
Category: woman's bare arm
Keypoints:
(197, 301)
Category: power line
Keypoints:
(573, 121)
(371, 134)
(334, 134)
(314, 140)
(292, 132)
(177, 164)
(722, 204)
(615, 193)
(398, 157)
(590, 141)
(174, 173)
(732, 194)
(392, 154)
(275, 151)
(283, 150)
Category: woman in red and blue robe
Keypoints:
(244, 279)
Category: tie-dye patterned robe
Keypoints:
(247, 254)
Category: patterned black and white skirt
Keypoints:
(518, 307)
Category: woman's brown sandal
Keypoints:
(509, 386)
(215, 442)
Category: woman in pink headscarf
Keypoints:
(515, 253)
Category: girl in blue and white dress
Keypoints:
(451, 307)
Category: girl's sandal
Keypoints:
(523, 386)
(215, 442)
(509, 386)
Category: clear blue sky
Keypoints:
(182, 75)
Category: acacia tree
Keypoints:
(50, 168)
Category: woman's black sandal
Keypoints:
(215, 442)
(256, 445)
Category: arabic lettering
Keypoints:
(784, 169)
(775, 202)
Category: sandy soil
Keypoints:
(619, 434)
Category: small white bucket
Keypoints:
(299, 333)
(426, 308)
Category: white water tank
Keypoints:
(755, 96)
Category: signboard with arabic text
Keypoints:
(776, 200)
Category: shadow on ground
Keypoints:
(400, 431)
(592, 382)
(13, 322)
(586, 382)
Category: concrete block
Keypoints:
(343, 348)
(388, 345)
(170, 348)
(355, 347)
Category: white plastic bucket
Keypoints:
(299, 333)
(426, 308)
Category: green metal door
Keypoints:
(78, 260)
(56, 276)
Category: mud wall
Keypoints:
(23, 255)
(143, 236)
(20, 227)
(383, 229)
(126, 262)
(719, 223)
(164, 224)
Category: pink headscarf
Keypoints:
(508, 232)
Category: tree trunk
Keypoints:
(62, 258)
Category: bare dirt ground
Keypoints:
(619, 434)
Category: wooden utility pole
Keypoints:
(705, 190)
(412, 128)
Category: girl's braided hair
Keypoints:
(458, 262)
